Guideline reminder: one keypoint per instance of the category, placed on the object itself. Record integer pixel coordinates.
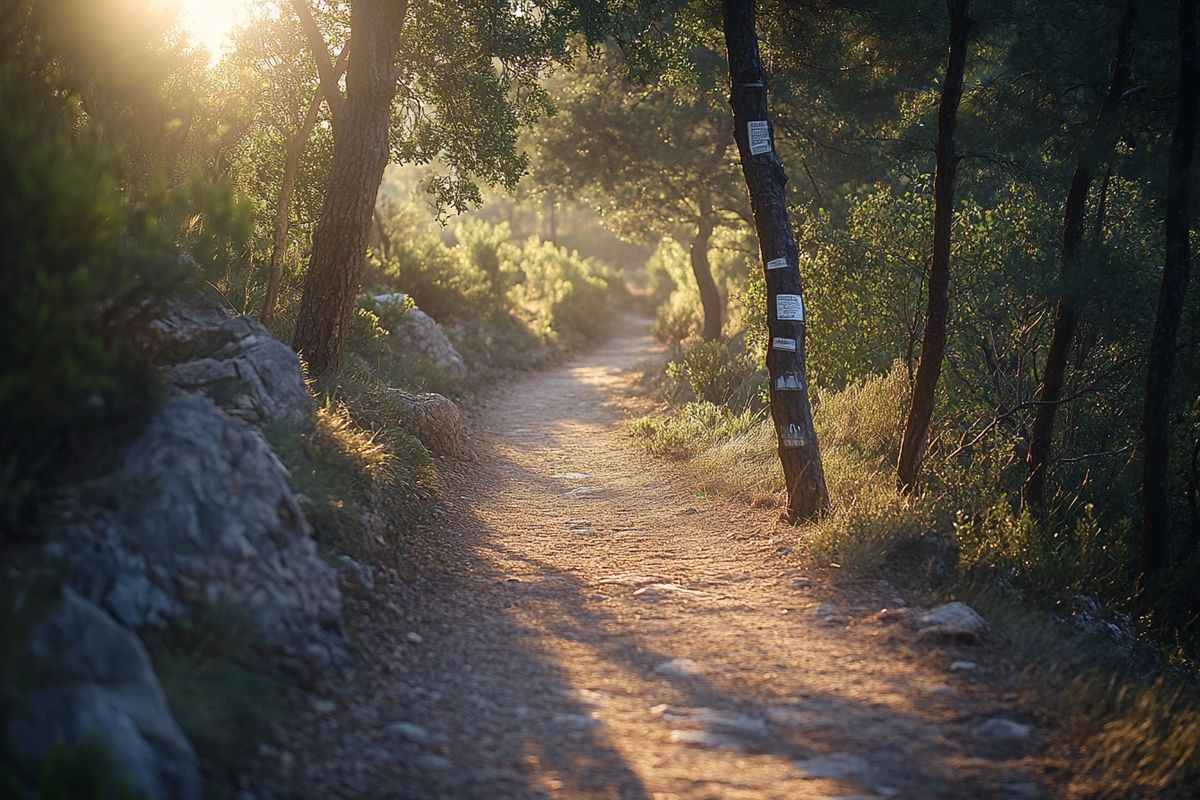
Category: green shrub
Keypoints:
(563, 293)
(695, 428)
(220, 686)
(720, 372)
(677, 319)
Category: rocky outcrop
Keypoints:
(92, 678)
(234, 361)
(200, 515)
(418, 333)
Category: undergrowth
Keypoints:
(1139, 723)
(221, 688)
(365, 488)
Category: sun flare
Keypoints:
(208, 22)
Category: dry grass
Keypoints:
(1140, 739)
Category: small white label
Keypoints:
(780, 343)
(789, 382)
(792, 437)
(777, 263)
(759, 133)
(789, 307)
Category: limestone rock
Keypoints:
(234, 361)
(955, 620)
(1001, 731)
(430, 417)
(93, 678)
(419, 333)
(200, 515)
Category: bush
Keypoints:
(720, 372)
(564, 293)
(86, 258)
(677, 319)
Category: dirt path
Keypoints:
(581, 624)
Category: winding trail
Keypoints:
(580, 623)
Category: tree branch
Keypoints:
(325, 69)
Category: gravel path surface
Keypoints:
(580, 623)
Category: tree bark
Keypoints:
(808, 497)
(1156, 424)
(360, 153)
(710, 298)
(933, 340)
(294, 150)
(1066, 316)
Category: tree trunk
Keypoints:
(710, 298)
(360, 153)
(293, 151)
(1156, 425)
(933, 341)
(1066, 316)
(808, 498)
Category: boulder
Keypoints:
(430, 417)
(419, 333)
(92, 678)
(234, 361)
(200, 515)
(955, 620)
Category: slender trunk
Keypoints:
(808, 497)
(1193, 498)
(1156, 424)
(293, 151)
(1066, 316)
(385, 241)
(933, 340)
(360, 153)
(710, 299)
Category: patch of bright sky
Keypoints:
(208, 22)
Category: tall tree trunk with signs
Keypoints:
(1066, 315)
(1156, 423)
(933, 342)
(766, 181)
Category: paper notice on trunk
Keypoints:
(789, 382)
(759, 133)
(789, 307)
(780, 343)
(777, 263)
(792, 437)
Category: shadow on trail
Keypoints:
(520, 725)
(531, 683)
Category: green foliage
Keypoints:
(695, 428)
(554, 293)
(85, 770)
(564, 294)
(719, 372)
(90, 245)
(220, 686)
